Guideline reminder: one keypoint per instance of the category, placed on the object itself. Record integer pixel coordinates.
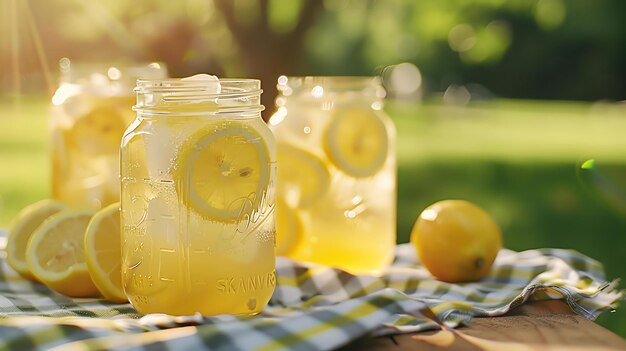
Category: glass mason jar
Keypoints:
(197, 172)
(336, 172)
(90, 111)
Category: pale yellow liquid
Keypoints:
(86, 133)
(352, 223)
(175, 260)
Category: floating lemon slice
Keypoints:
(55, 253)
(356, 142)
(288, 229)
(97, 132)
(223, 171)
(103, 252)
(302, 177)
(21, 229)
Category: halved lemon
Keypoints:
(356, 142)
(288, 229)
(103, 252)
(302, 177)
(55, 253)
(21, 229)
(223, 170)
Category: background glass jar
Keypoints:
(336, 172)
(197, 173)
(90, 111)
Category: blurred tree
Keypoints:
(556, 49)
(270, 37)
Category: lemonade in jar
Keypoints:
(198, 196)
(336, 197)
(90, 111)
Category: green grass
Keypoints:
(520, 160)
(24, 160)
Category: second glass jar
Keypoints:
(336, 172)
(90, 111)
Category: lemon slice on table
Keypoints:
(98, 131)
(223, 170)
(288, 229)
(21, 229)
(356, 142)
(55, 253)
(302, 177)
(103, 252)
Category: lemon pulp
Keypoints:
(55, 253)
(288, 229)
(21, 229)
(356, 142)
(103, 252)
(303, 177)
(223, 171)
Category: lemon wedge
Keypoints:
(223, 171)
(103, 252)
(55, 253)
(288, 229)
(356, 142)
(21, 229)
(302, 177)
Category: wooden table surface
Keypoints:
(547, 325)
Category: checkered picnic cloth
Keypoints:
(313, 308)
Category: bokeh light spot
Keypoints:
(114, 73)
(405, 79)
(550, 14)
(462, 38)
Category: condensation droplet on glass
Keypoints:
(317, 91)
(349, 214)
(65, 64)
(278, 116)
(307, 130)
(357, 200)
(282, 80)
(251, 303)
(377, 105)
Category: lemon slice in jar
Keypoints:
(356, 142)
(223, 171)
(302, 177)
(103, 252)
(98, 131)
(288, 229)
(55, 253)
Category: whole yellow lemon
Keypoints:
(456, 240)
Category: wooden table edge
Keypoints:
(543, 325)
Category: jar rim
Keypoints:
(230, 81)
(232, 95)
(333, 82)
(200, 88)
(330, 88)
(76, 69)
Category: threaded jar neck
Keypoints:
(330, 90)
(175, 96)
